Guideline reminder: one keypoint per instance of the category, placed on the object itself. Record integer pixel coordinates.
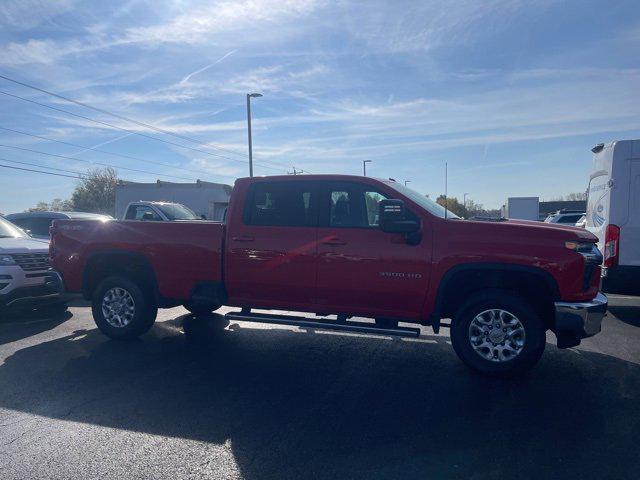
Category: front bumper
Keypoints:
(577, 320)
(49, 289)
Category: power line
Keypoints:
(41, 166)
(130, 131)
(40, 171)
(137, 122)
(121, 117)
(108, 153)
(95, 163)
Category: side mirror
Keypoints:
(393, 219)
(147, 216)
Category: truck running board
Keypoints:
(359, 327)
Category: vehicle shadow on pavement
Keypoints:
(18, 324)
(306, 404)
(626, 313)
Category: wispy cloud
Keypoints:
(186, 79)
(408, 84)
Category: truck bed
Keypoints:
(180, 254)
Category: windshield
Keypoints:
(9, 230)
(423, 201)
(175, 211)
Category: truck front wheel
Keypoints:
(121, 309)
(498, 333)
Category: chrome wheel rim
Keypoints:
(497, 335)
(118, 307)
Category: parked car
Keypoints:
(565, 217)
(348, 246)
(613, 213)
(159, 211)
(26, 277)
(582, 221)
(37, 223)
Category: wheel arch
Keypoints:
(131, 265)
(535, 284)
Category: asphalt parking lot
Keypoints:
(197, 399)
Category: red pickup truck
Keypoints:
(352, 247)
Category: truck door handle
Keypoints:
(334, 241)
(243, 238)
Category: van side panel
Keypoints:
(630, 230)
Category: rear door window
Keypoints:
(281, 204)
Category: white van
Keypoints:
(613, 213)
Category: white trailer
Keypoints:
(204, 198)
(521, 208)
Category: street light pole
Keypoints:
(406, 181)
(249, 96)
(464, 204)
(364, 166)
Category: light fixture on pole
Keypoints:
(364, 166)
(249, 96)
(406, 181)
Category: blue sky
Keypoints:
(512, 94)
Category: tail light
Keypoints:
(611, 246)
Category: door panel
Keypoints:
(272, 252)
(362, 269)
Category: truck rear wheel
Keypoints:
(121, 309)
(498, 333)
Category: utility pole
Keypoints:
(249, 96)
(364, 167)
(295, 172)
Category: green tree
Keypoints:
(96, 192)
(56, 205)
(452, 204)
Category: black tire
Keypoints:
(200, 308)
(144, 309)
(534, 333)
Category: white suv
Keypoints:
(565, 217)
(25, 275)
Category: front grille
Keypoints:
(592, 259)
(32, 261)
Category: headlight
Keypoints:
(581, 247)
(6, 260)
(588, 250)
